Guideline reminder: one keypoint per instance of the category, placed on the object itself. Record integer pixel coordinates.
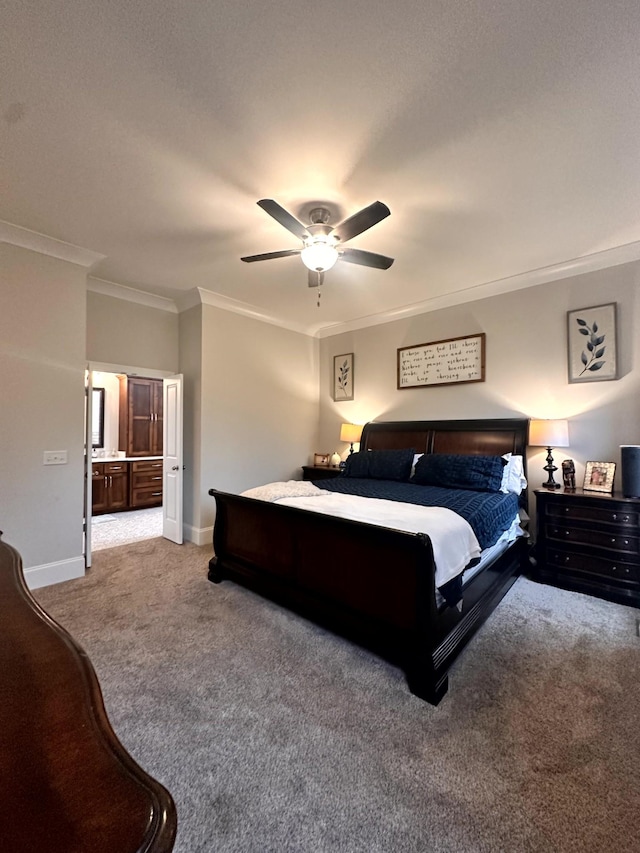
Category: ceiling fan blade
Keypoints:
(366, 259)
(359, 222)
(315, 278)
(267, 256)
(283, 217)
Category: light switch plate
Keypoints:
(55, 457)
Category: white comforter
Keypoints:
(453, 540)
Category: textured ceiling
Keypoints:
(503, 135)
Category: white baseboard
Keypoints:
(198, 535)
(49, 573)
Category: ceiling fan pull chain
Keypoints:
(319, 288)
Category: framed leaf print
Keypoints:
(591, 343)
(343, 377)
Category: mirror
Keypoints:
(97, 417)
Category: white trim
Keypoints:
(148, 373)
(15, 235)
(50, 573)
(130, 294)
(198, 535)
(208, 297)
(578, 266)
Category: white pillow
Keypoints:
(416, 456)
(513, 479)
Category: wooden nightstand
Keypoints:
(311, 472)
(589, 542)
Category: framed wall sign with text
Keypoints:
(448, 362)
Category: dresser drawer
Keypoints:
(115, 467)
(147, 465)
(149, 496)
(612, 540)
(567, 511)
(146, 479)
(588, 564)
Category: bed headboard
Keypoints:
(477, 437)
(492, 437)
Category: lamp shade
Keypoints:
(549, 433)
(350, 432)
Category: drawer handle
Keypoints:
(156, 478)
(156, 464)
(156, 494)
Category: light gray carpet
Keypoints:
(274, 735)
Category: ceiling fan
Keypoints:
(322, 243)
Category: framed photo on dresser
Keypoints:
(598, 476)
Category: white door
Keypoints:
(172, 451)
(88, 467)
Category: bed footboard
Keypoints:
(368, 583)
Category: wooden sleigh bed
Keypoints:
(372, 584)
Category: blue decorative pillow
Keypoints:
(380, 464)
(458, 471)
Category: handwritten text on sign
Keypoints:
(442, 362)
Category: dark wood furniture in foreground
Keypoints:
(371, 583)
(317, 472)
(68, 785)
(589, 542)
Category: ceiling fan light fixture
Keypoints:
(319, 256)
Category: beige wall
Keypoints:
(42, 361)
(526, 368)
(259, 403)
(125, 333)
(250, 392)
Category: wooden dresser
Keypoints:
(589, 542)
(68, 785)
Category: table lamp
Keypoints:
(350, 433)
(549, 434)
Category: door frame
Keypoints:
(103, 367)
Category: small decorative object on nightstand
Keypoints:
(549, 434)
(589, 542)
(569, 475)
(335, 460)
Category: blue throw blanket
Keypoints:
(488, 513)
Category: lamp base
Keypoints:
(550, 468)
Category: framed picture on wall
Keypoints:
(592, 343)
(342, 388)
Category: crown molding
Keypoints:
(207, 297)
(35, 242)
(578, 266)
(130, 294)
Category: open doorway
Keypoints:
(127, 498)
(134, 471)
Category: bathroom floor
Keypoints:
(122, 528)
